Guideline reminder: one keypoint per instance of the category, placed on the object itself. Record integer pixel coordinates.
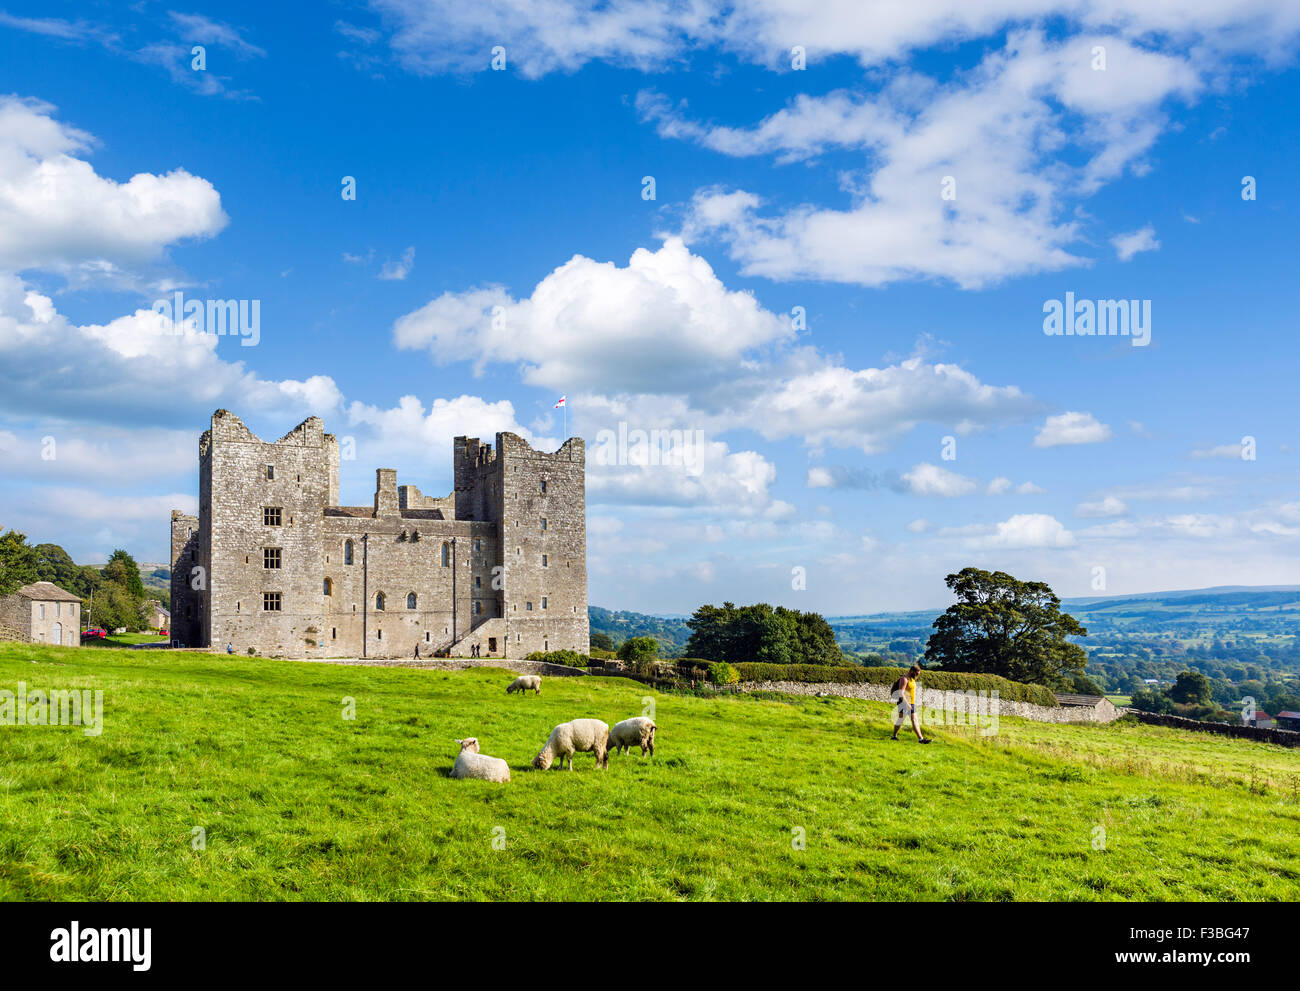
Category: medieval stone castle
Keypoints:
(497, 568)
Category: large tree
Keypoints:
(17, 562)
(1004, 626)
(122, 570)
(761, 633)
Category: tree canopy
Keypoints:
(761, 633)
(1007, 627)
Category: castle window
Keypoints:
(334, 633)
(543, 486)
(543, 522)
(478, 581)
(379, 602)
(270, 473)
(329, 587)
(478, 607)
(478, 545)
(270, 557)
(42, 610)
(236, 607)
(410, 600)
(543, 602)
(271, 602)
(271, 515)
(426, 636)
(545, 560)
(379, 634)
(347, 552)
(446, 554)
(528, 607)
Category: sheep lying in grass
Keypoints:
(638, 732)
(578, 736)
(525, 682)
(472, 764)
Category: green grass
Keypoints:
(298, 802)
(126, 640)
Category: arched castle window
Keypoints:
(329, 587)
(347, 552)
(446, 555)
(379, 601)
(410, 600)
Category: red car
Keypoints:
(94, 633)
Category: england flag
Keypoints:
(560, 403)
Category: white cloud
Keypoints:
(434, 36)
(665, 316)
(970, 180)
(1128, 245)
(1109, 506)
(1226, 452)
(667, 324)
(57, 214)
(395, 271)
(931, 480)
(1028, 530)
(1072, 428)
(1029, 488)
(918, 526)
(998, 486)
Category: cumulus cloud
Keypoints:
(1022, 531)
(1108, 506)
(1072, 428)
(665, 315)
(57, 214)
(998, 486)
(931, 480)
(664, 332)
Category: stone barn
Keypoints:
(43, 613)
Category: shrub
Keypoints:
(949, 681)
(569, 658)
(722, 673)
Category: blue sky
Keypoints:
(1088, 462)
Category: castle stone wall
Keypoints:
(441, 574)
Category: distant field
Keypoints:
(126, 640)
(299, 803)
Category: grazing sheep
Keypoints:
(638, 732)
(472, 764)
(578, 736)
(524, 682)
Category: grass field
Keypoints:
(298, 802)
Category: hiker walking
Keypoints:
(904, 692)
(417, 651)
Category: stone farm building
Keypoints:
(42, 613)
(274, 563)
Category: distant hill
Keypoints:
(1270, 612)
(620, 625)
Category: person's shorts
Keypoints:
(906, 709)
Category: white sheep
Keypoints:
(577, 736)
(637, 732)
(524, 682)
(472, 764)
